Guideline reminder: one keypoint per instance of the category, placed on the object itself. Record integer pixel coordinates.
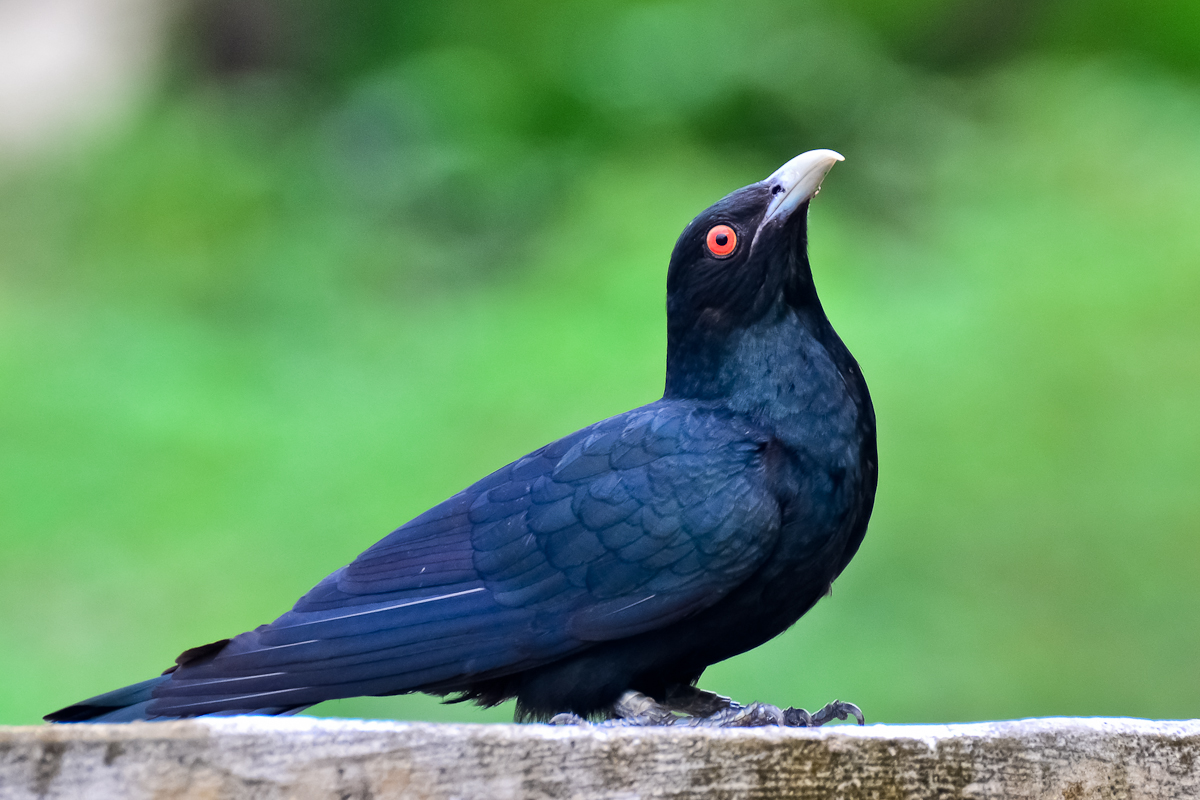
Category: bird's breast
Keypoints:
(783, 376)
(804, 388)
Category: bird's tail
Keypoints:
(131, 704)
(120, 705)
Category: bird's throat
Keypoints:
(788, 371)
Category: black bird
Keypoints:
(601, 574)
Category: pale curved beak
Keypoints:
(798, 180)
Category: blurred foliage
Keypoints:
(354, 255)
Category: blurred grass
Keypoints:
(244, 339)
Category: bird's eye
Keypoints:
(721, 240)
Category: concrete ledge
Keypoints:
(259, 757)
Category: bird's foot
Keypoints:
(755, 715)
(758, 715)
(708, 710)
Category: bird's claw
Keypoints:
(835, 710)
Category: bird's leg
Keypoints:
(631, 709)
(635, 708)
(687, 699)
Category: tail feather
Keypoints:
(120, 705)
(130, 704)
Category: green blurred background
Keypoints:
(330, 261)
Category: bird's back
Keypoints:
(620, 529)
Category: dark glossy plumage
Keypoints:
(629, 555)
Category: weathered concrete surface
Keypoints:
(255, 757)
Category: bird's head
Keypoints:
(740, 259)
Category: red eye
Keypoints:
(721, 240)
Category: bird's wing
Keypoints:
(621, 528)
